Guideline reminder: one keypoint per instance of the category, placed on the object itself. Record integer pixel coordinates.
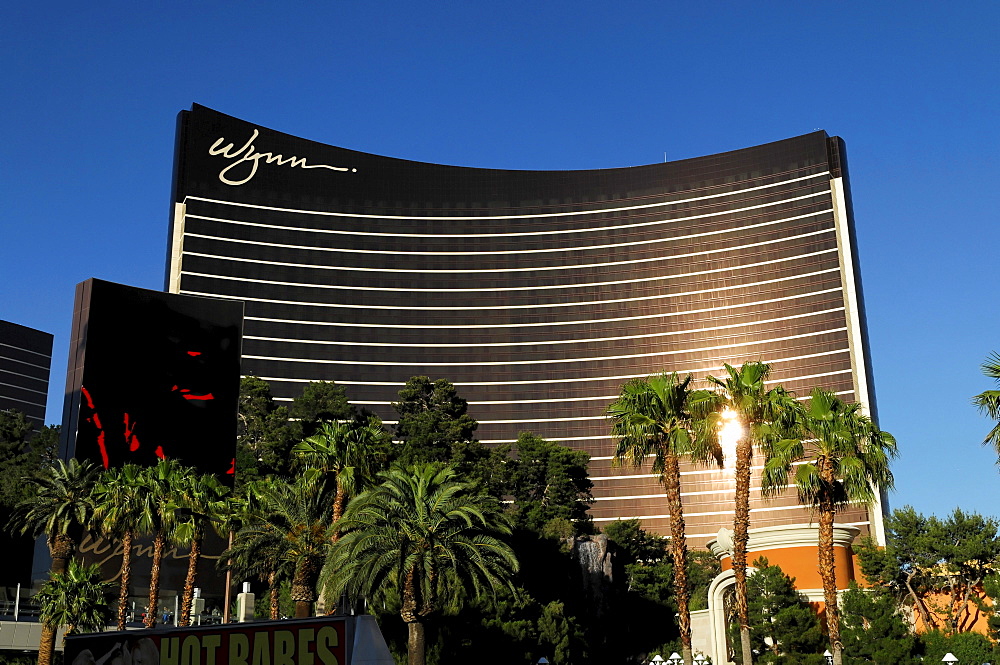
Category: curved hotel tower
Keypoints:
(537, 293)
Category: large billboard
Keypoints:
(317, 641)
(153, 375)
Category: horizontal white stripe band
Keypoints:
(558, 400)
(543, 361)
(434, 271)
(30, 390)
(40, 405)
(574, 213)
(663, 496)
(691, 536)
(25, 362)
(552, 324)
(25, 376)
(21, 348)
(624, 227)
(622, 377)
(543, 343)
(584, 303)
(705, 514)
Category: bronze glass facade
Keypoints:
(538, 293)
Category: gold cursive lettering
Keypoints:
(248, 153)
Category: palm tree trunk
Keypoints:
(827, 570)
(272, 587)
(61, 550)
(47, 645)
(188, 599)
(303, 588)
(741, 537)
(126, 577)
(416, 642)
(338, 508)
(154, 580)
(671, 480)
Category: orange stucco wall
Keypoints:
(801, 563)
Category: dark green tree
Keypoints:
(433, 425)
(23, 453)
(938, 565)
(906, 565)
(874, 629)
(320, 402)
(781, 623)
(967, 647)
(548, 481)
(264, 436)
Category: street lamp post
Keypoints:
(949, 659)
(657, 659)
(675, 659)
(828, 657)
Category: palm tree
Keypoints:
(161, 481)
(254, 551)
(200, 505)
(653, 417)
(347, 451)
(843, 458)
(293, 530)
(123, 510)
(765, 415)
(426, 536)
(60, 507)
(77, 599)
(988, 401)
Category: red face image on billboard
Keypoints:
(154, 375)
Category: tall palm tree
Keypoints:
(123, 510)
(765, 415)
(843, 458)
(426, 536)
(988, 401)
(77, 599)
(161, 481)
(60, 508)
(653, 417)
(293, 529)
(347, 451)
(201, 505)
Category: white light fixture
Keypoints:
(828, 657)
(949, 658)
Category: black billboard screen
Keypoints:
(153, 375)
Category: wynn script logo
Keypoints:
(248, 154)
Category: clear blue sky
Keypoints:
(91, 91)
